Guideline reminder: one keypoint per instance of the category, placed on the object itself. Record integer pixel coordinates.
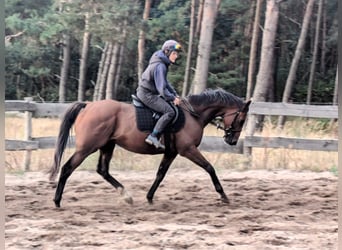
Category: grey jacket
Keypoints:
(154, 77)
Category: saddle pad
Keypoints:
(146, 121)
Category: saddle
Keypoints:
(147, 118)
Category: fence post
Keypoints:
(249, 131)
(28, 134)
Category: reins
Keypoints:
(189, 108)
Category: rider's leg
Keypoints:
(159, 105)
(164, 120)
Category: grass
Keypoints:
(334, 170)
(263, 158)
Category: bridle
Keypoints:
(228, 131)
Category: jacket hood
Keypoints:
(159, 56)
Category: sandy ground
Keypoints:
(268, 210)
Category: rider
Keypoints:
(155, 91)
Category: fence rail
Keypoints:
(209, 143)
(256, 108)
(299, 110)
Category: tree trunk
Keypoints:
(265, 73)
(324, 38)
(120, 60)
(189, 54)
(112, 71)
(335, 97)
(17, 89)
(267, 51)
(104, 74)
(84, 59)
(294, 65)
(204, 47)
(141, 41)
(314, 56)
(99, 72)
(199, 18)
(253, 51)
(64, 68)
(118, 70)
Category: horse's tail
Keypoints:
(63, 135)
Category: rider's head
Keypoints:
(171, 48)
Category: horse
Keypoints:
(101, 125)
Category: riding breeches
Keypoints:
(159, 105)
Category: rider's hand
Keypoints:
(177, 101)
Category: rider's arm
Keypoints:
(162, 84)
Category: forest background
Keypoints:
(273, 50)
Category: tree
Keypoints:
(267, 51)
(65, 60)
(335, 98)
(265, 75)
(199, 18)
(96, 95)
(294, 65)
(84, 57)
(190, 49)
(314, 56)
(324, 38)
(104, 74)
(253, 50)
(142, 37)
(204, 47)
(120, 60)
(27, 71)
(33, 65)
(112, 70)
(64, 68)
(115, 66)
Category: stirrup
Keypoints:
(154, 142)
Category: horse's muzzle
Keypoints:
(230, 139)
(230, 142)
(233, 143)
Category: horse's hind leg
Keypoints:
(67, 169)
(163, 167)
(106, 153)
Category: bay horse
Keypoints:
(101, 125)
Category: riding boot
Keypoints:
(153, 140)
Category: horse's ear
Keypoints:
(246, 106)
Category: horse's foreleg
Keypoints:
(106, 154)
(195, 156)
(163, 167)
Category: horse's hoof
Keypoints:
(57, 203)
(150, 201)
(129, 200)
(225, 199)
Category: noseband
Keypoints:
(230, 129)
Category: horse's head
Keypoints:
(233, 123)
(230, 109)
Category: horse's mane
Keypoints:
(218, 96)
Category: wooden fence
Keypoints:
(209, 143)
